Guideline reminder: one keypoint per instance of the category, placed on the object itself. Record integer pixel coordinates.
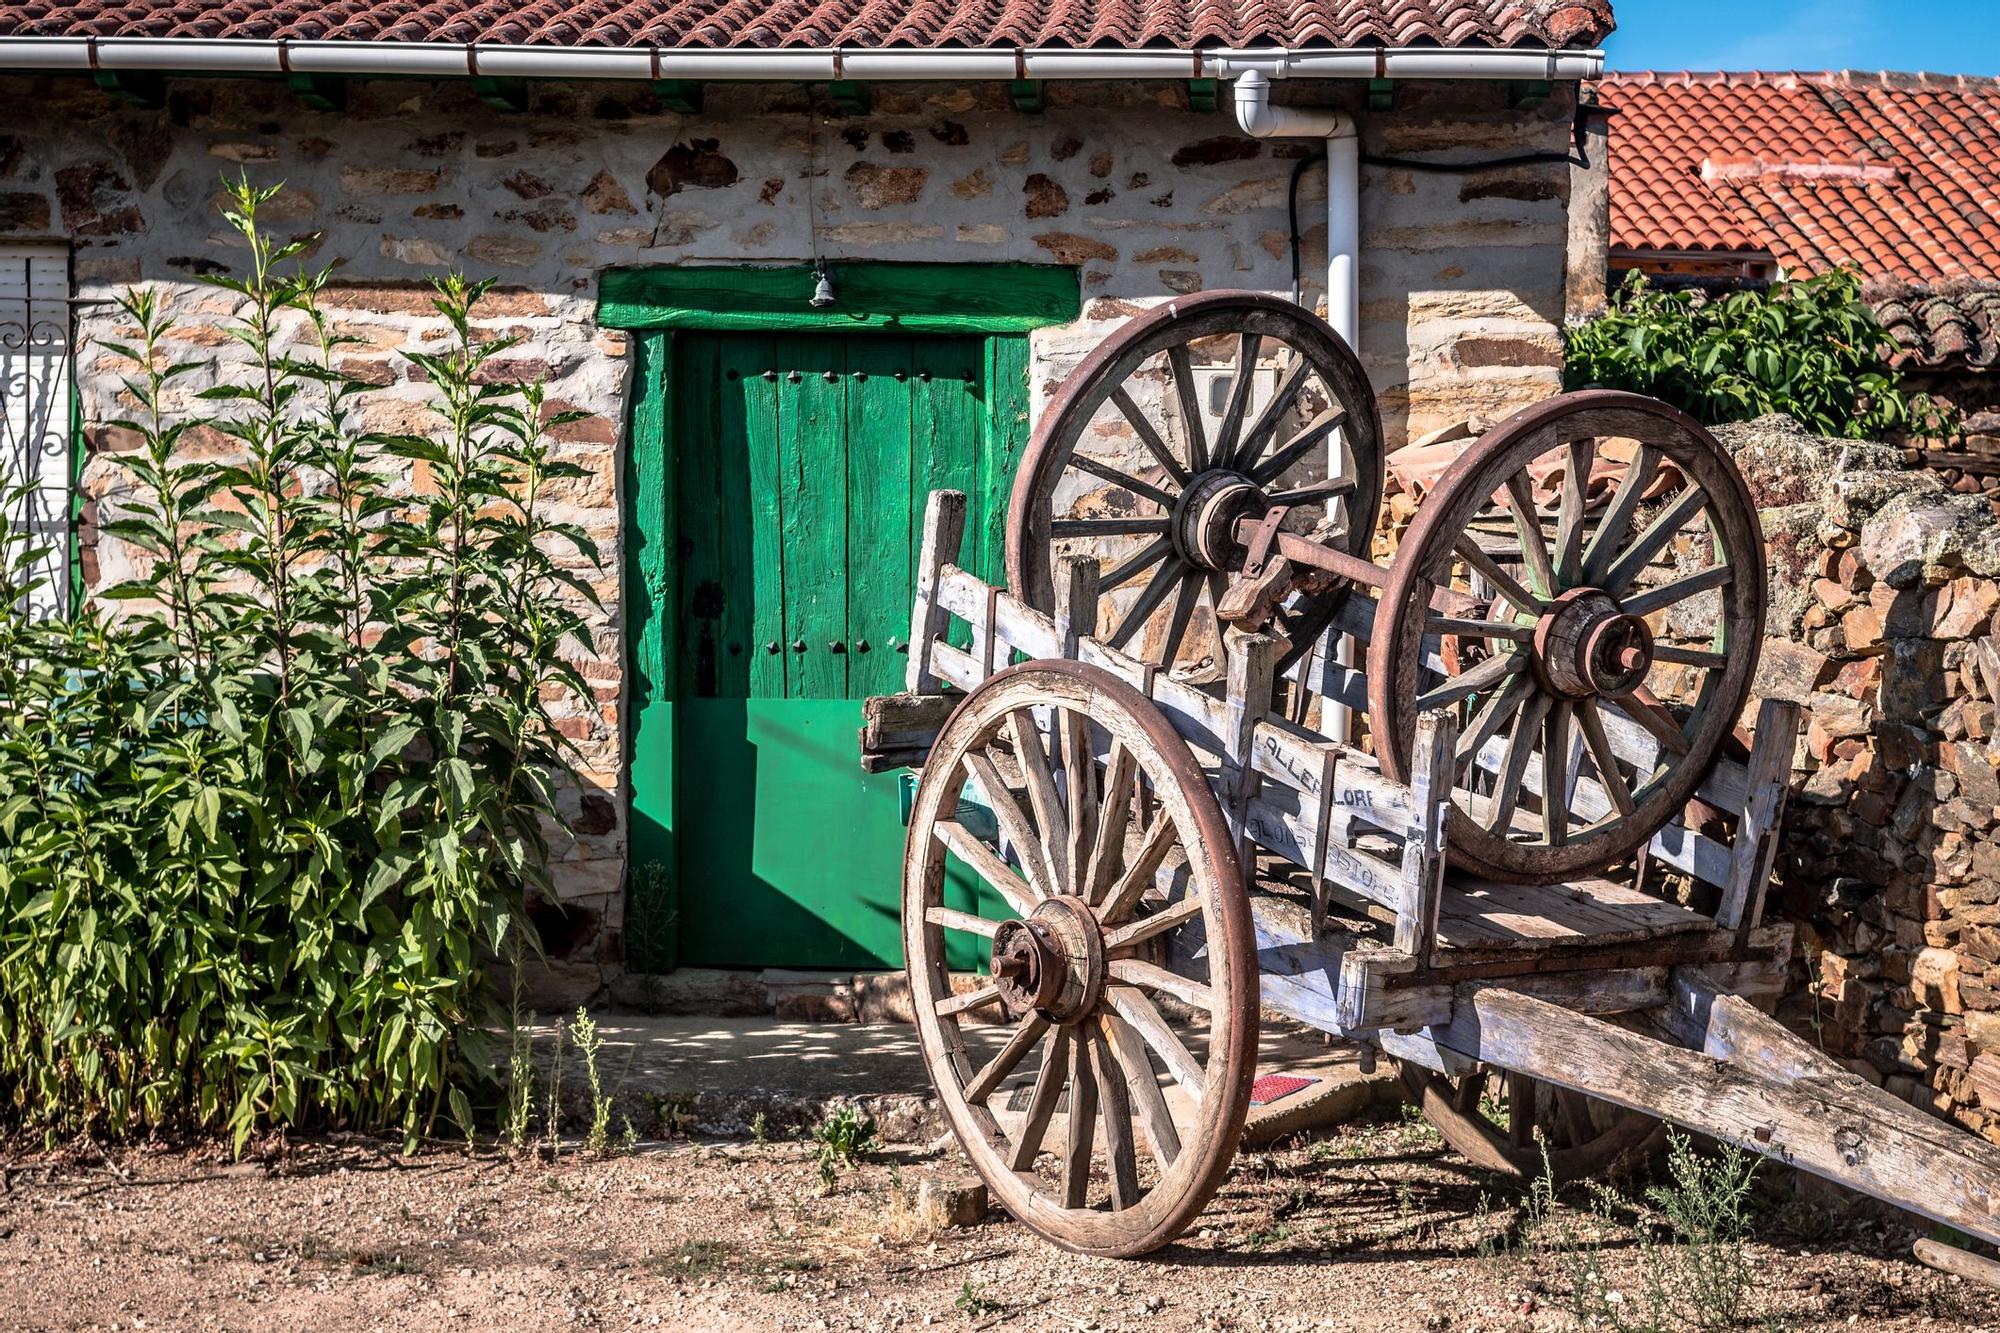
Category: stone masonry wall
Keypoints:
(1885, 589)
(1462, 275)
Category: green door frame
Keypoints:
(1000, 303)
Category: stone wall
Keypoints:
(1885, 589)
(1462, 275)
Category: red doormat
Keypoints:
(1275, 1087)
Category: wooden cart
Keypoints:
(1146, 846)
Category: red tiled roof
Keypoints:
(782, 23)
(1897, 175)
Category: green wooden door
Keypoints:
(801, 463)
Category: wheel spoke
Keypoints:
(1119, 1154)
(1503, 583)
(1148, 602)
(1119, 784)
(1289, 388)
(1648, 543)
(1135, 1008)
(1239, 395)
(1006, 1058)
(1137, 877)
(1042, 1103)
(1488, 673)
(1177, 627)
(1141, 525)
(1520, 1109)
(1155, 1119)
(1653, 599)
(1480, 629)
(972, 999)
(1190, 405)
(1492, 715)
(951, 919)
(986, 863)
(1082, 1122)
(1653, 718)
(1520, 746)
(1534, 546)
(1569, 518)
(1603, 757)
(1145, 927)
(1080, 774)
(1155, 551)
(1617, 520)
(1041, 780)
(1298, 446)
(1324, 489)
(1149, 436)
(1695, 657)
(1036, 860)
(1555, 774)
(1133, 972)
(1084, 463)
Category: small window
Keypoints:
(35, 404)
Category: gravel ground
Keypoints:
(1376, 1227)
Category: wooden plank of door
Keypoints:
(880, 512)
(945, 435)
(763, 580)
(701, 396)
(813, 502)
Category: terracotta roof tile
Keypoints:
(780, 23)
(1896, 174)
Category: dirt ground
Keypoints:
(1376, 1227)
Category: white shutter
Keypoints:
(35, 411)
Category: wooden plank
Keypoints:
(944, 531)
(881, 489)
(1756, 850)
(812, 499)
(766, 556)
(908, 298)
(1432, 767)
(903, 721)
(1370, 1000)
(1750, 1083)
(1483, 914)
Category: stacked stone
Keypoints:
(1889, 612)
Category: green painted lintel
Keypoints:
(1027, 95)
(1524, 94)
(1204, 95)
(321, 92)
(502, 94)
(1381, 94)
(682, 95)
(851, 96)
(134, 86)
(917, 298)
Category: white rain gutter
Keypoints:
(231, 55)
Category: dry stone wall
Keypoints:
(1462, 275)
(1886, 606)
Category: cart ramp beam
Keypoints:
(1748, 1081)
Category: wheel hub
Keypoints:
(1205, 518)
(1586, 644)
(1051, 963)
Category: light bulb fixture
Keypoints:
(823, 288)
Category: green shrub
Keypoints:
(261, 834)
(1811, 349)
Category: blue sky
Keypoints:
(1942, 36)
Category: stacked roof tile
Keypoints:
(812, 23)
(1897, 175)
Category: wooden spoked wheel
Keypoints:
(1125, 972)
(1504, 1122)
(1124, 467)
(1591, 555)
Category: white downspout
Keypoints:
(1261, 119)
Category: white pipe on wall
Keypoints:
(1261, 118)
(230, 55)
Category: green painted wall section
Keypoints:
(664, 307)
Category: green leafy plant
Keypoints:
(844, 1137)
(974, 1303)
(261, 832)
(1811, 348)
(1696, 1276)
